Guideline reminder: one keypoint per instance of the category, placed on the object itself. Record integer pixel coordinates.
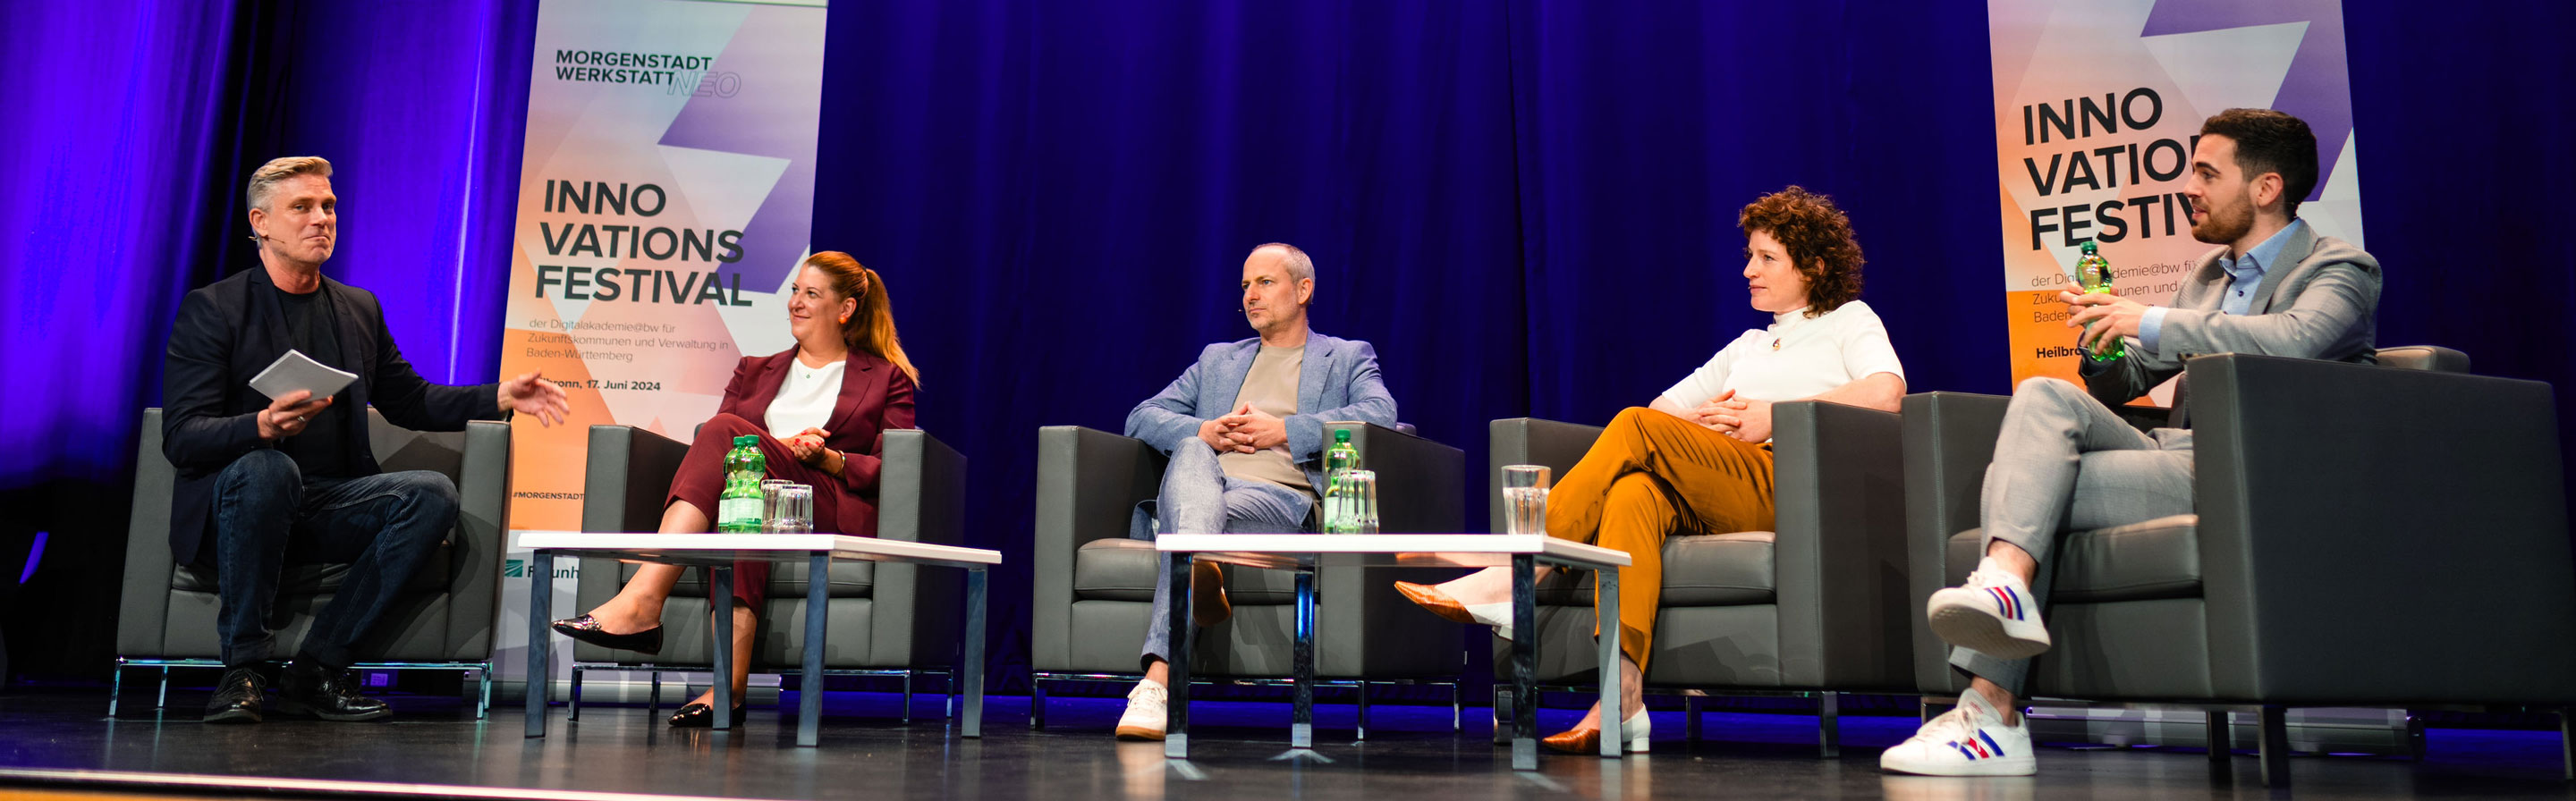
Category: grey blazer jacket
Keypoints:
(1338, 381)
(2323, 305)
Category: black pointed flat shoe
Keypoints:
(586, 629)
(702, 716)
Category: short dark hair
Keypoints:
(1819, 240)
(2270, 141)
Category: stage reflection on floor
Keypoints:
(1238, 751)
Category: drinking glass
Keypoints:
(1525, 499)
(769, 511)
(1363, 500)
(796, 509)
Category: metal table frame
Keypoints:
(1303, 553)
(717, 553)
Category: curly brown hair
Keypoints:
(1819, 239)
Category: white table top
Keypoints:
(1405, 550)
(700, 549)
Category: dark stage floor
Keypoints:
(1239, 752)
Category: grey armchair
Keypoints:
(1815, 607)
(883, 620)
(1095, 584)
(2342, 513)
(166, 611)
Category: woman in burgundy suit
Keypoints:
(820, 409)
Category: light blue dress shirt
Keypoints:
(2244, 279)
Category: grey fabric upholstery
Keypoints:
(1095, 586)
(1815, 605)
(880, 616)
(167, 611)
(2314, 572)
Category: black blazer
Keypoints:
(230, 330)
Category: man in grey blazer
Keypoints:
(1245, 429)
(2066, 461)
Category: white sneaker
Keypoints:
(1148, 709)
(1970, 740)
(1992, 614)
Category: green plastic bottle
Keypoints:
(738, 508)
(1339, 459)
(2093, 273)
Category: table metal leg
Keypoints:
(541, 596)
(1301, 733)
(1524, 662)
(1605, 611)
(818, 612)
(1176, 728)
(720, 593)
(972, 724)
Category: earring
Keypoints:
(845, 318)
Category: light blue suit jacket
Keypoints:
(1338, 381)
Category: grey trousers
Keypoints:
(1198, 498)
(2065, 462)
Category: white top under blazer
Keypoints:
(805, 399)
(1795, 357)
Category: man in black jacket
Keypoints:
(267, 481)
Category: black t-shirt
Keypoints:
(321, 451)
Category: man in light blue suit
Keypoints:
(1245, 429)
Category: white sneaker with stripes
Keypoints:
(1970, 740)
(1993, 614)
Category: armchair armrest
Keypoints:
(1530, 440)
(1422, 484)
(1089, 482)
(2345, 508)
(628, 473)
(143, 602)
(1839, 546)
(1949, 437)
(483, 507)
(921, 497)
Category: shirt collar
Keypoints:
(2258, 261)
(1782, 322)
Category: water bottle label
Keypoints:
(739, 512)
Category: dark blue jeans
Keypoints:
(268, 514)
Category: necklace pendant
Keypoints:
(1775, 343)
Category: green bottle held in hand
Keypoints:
(2093, 274)
(738, 509)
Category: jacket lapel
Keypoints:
(1311, 372)
(2274, 275)
(857, 376)
(1220, 393)
(764, 387)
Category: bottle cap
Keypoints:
(2089, 247)
(1342, 435)
(747, 439)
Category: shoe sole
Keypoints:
(284, 708)
(2009, 766)
(1982, 632)
(1139, 733)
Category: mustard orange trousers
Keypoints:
(1649, 476)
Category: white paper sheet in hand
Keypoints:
(294, 371)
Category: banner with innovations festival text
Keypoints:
(2097, 106)
(664, 203)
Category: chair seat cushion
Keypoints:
(315, 579)
(1123, 570)
(2140, 561)
(786, 579)
(1718, 569)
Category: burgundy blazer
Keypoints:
(875, 397)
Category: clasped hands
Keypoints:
(807, 446)
(1742, 418)
(1244, 430)
(2121, 317)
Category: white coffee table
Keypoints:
(1305, 552)
(717, 553)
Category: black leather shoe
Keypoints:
(586, 629)
(315, 691)
(702, 716)
(236, 697)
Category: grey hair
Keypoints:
(264, 181)
(1301, 267)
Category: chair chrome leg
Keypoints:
(2274, 728)
(907, 698)
(1690, 718)
(1457, 708)
(483, 700)
(162, 701)
(1829, 727)
(653, 699)
(2221, 738)
(1363, 711)
(115, 687)
(573, 711)
(1037, 704)
(2567, 742)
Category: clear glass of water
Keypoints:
(770, 513)
(1363, 500)
(1525, 499)
(795, 510)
